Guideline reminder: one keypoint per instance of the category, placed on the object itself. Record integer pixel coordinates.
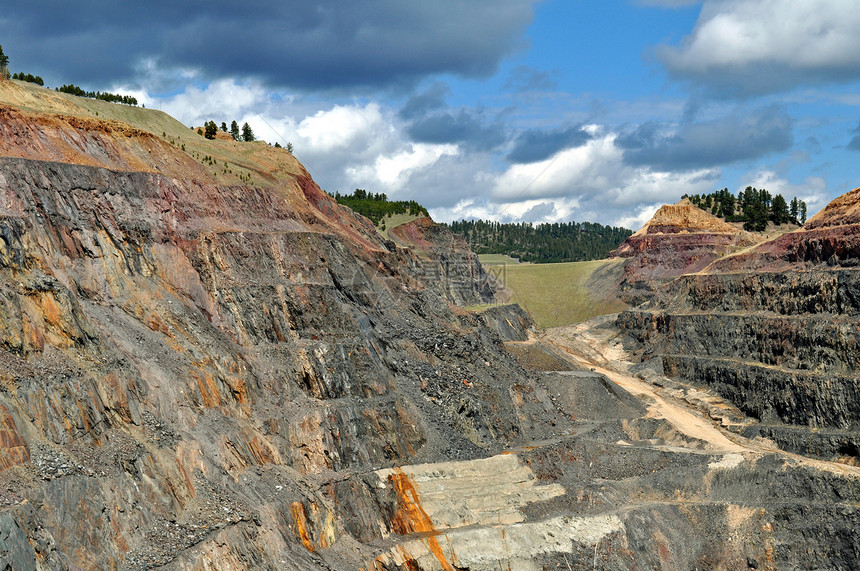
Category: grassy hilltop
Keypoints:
(225, 160)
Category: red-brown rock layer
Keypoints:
(680, 239)
(447, 260)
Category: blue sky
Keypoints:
(503, 109)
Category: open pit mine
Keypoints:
(206, 363)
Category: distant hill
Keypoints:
(542, 243)
(679, 239)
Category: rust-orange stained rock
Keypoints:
(300, 517)
(411, 517)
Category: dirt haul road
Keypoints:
(591, 344)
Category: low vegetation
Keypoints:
(210, 129)
(377, 206)
(542, 243)
(30, 78)
(752, 206)
(497, 259)
(391, 221)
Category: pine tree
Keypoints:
(779, 210)
(211, 129)
(802, 212)
(223, 126)
(727, 203)
(756, 209)
(234, 130)
(4, 64)
(247, 133)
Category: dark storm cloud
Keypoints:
(430, 100)
(466, 127)
(431, 120)
(735, 138)
(536, 145)
(323, 44)
(746, 82)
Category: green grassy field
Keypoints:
(556, 294)
(496, 259)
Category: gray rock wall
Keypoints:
(782, 346)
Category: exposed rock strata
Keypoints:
(447, 261)
(775, 330)
(680, 239)
(182, 360)
(510, 322)
(197, 375)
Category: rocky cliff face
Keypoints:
(183, 362)
(446, 260)
(774, 330)
(199, 374)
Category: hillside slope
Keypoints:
(192, 359)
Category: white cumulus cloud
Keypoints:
(744, 47)
(594, 183)
(392, 171)
(341, 127)
(349, 145)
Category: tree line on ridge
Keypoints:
(752, 206)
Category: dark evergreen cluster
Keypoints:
(542, 243)
(752, 206)
(377, 206)
(29, 77)
(210, 128)
(247, 133)
(102, 96)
